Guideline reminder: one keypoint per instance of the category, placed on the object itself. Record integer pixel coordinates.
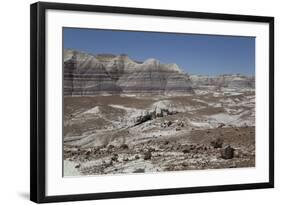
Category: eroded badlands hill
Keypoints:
(86, 74)
(227, 80)
(209, 125)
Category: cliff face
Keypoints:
(228, 81)
(153, 77)
(86, 74)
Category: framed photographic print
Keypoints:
(129, 102)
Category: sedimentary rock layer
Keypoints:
(230, 81)
(86, 74)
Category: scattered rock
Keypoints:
(221, 125)
(186, 150)
(158, 112)
(114, 157)
(185, 164)
(125, 159)
(137, 156)
(140, 170)
(124, 146)
(196, 156)
(143, 117)
(110, 146)
(166, 124)
(238, 153)
(169, 123)
(192, 147)
(147, 155)
(159, 109)
(88, 151)
(217, 143)
(172, 111)
(227, 152)
(151, 149)
(181, 124)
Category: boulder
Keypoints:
(110, 147)
(124, 146)
(166, 124)
(178, 129)
(147, 155)
(158, 112)
(227, 152)
(186, 150)
(180, 124)
(114, 157)
(143, 117)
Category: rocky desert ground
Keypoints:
(122, 116)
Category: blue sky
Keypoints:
(195, 53)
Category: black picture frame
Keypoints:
(38, 101)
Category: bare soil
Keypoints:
(100, 136)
